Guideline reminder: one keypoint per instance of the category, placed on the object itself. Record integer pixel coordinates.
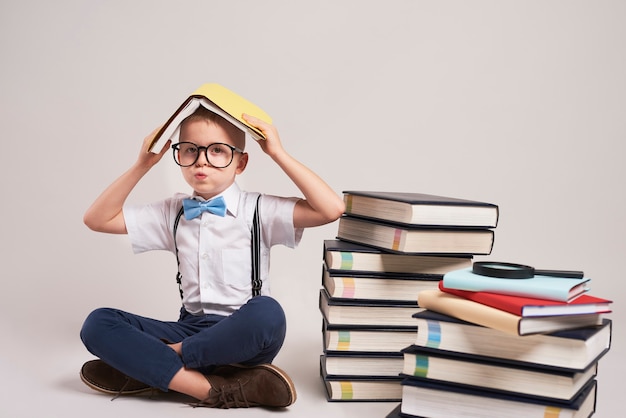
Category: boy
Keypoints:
(221, 348)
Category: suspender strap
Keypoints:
(255, 249)
(179, 277)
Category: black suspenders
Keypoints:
(255, 248)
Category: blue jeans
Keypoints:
(136, 345)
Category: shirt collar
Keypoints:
(231, 196)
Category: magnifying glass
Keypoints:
(518, 271)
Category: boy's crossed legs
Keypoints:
(151, 352)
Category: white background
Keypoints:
(521, 104)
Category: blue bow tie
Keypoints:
(194, 208)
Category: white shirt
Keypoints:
(214, 251)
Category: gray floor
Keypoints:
(41, 353)
(49, 386)
(40, 379)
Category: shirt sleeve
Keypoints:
(277, 221)
(149, 225)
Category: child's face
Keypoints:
(206, 180)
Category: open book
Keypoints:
(219, 100)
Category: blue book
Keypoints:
(540, 287)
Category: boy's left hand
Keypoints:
(320, 204)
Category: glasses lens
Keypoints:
(186, 154)
(219, 155)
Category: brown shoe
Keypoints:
(241, 387)
(100, 376)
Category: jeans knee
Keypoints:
(269, 313)
(95, 323)
(268, 324)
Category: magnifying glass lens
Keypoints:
(503, 266)
(503, 270)
(519, 271)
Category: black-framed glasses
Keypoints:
(218, 154)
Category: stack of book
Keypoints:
(389, 247)
(488, 346)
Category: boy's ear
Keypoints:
(242, 163)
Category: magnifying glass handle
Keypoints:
(569, 274)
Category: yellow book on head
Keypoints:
(219, 100)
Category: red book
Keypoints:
(523, 306)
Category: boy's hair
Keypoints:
(204, 114)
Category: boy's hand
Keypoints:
(271, 145)
(320, 204)
(149, 159)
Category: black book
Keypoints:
(377, 286)
(523, 380)
(421, 209)
(415, 239)
(371, 313)
(396, 412)
(584, 346)
(363, 364)
(366, 339)
(424, 398)
(360, 388)
(349, 256)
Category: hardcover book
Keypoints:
(542, 287)
(361, 388)
(421, 209)
(415, 240)
(524, 306)
(372, 313)
(424, 398)
(348, 256)
(371, 364)
(376, 286)
(584, 346)
(366, 339)
(424, 363)
(467, 310)
(219, 100)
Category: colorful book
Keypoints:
(524, 306)
(366, 339)
(424, 398)
(348, 256)
(458, 369)
(372, 313)
(376, 286)
(421, 209)
(219, 100)
(541, 287)
(584, 346)
(468, 310)
(414, 239)
(370, 364)
(361, 388)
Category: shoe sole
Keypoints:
(278, 372)
(108, 391)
